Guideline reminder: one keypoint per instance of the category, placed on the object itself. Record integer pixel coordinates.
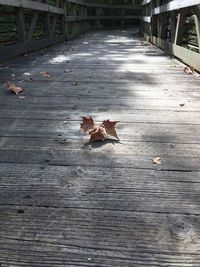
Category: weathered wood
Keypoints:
(20, 25)
(175, 46)
(67, 202)
(32, 27)
(32, 5)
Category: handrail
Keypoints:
(35, 24)
(175, 27)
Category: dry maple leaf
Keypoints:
(110, 128)
(157, 161)
(188, 70)
(98, 134)
(87, 124)
(45, 74)
(12, 88)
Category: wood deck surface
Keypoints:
(67, 202)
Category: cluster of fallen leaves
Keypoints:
(99, 132)
(13, 88)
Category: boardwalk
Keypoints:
(67, 202)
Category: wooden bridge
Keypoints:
(67, 202)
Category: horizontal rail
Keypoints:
(95, 5)
(174, 5)
(77, 18)
(32, 5)
(49, 24)
(178, 33)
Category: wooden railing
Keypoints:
(174, 25)
(27, 25)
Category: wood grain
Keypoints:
(67, 202)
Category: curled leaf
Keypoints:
(188, 70)
(12, 88)
(87, 124)
(157, 161)
(110, 128)
(98, 134)
(45, 74)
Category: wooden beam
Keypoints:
(21, 48)
(180, 27)
(21, 31)
(80, 2)
(32, 5)
(197, 23)
(187, 56)
(174, 5)
(32, 26)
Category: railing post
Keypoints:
(66, 21)
(197, 23)
(180, 27)
(98, 13)
(21, 25)
(123, 17)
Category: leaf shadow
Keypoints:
(99, 144)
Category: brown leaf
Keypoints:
(98, 134)
(12, 88)
(110, 128)
(157, 161)
(87, 124)
(45, 74)
(188, 70)
(67, 71)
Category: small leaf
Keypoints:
(87, 124)
(45, 74)
(157, 161)
(110, 128)
(188, 70)
(12, 88)
(67, 71)
(98, 134)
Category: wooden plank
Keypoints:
(67, 202)
(19, 49)
(174, 5)
(100, 5)
(90, 247)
